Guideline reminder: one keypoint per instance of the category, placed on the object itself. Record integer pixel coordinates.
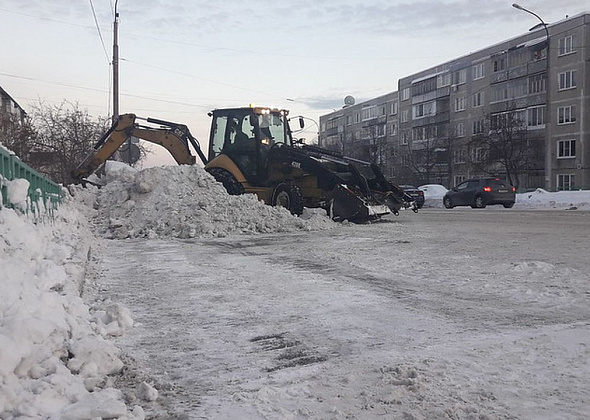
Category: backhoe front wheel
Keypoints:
(288, 195)
(232, 186)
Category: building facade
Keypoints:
(10, 107)
(518, 109)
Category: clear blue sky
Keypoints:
(179, 60)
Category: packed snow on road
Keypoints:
(160, 296)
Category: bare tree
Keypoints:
(65, 134)
(429, 155)
(17, 135)
(504, 146)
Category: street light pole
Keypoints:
(116, 65)
(548, 116)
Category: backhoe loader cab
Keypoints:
(246, 135)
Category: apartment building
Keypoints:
(517, 109)
(366, 131)
(9, 106)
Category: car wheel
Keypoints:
(508, 205)
(479, 202)
(447, 203)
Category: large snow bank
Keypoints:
(55, 355)
(541, 199)
(184, 202)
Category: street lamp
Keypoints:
(519, 7)
(548, 144)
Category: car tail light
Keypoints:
(420, 192)
(487, 189)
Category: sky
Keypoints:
(273, 335)
(177, 62)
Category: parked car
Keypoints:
(480, 192)
(415, 193)
(433, 195)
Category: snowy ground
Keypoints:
(220, 307)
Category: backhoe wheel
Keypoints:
(232, 186)
(288, 195)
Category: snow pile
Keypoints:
(55, 355)
(184, 202)
(541, 199)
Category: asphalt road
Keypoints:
(456, 313)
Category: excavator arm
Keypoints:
(174, 138)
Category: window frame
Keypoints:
(567, 80)
(564, 47)
(566, 149)
(569, 117)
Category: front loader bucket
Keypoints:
(347, 204)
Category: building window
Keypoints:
(566, 149)
(536, 116)
(538, 83)
(459, 156)
(567, 80)
(392, 129)
(566, 45)
(405, 94)
(349, 120)
(460, 132)
(404, 116)
(393, 109)
(357, 118)
(478, 71)
(478, 127)
(499, 64)
(443, 80)
(459, 104)
(424, 110)
(477, 99)
(369, 113)
(460, 77)
(405, 137)
(459, 179)
(565, 182)
(566, 115)
(479, 154)
(424, 86)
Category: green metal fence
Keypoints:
(43, 195)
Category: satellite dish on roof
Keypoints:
(348, 101)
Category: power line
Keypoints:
(99, 33)
(99, 90)
(204, 79)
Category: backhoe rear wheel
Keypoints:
(232, 186)
(288, 195)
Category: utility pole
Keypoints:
(116, 65)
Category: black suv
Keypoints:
(480, 192)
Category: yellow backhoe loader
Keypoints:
(252, 150)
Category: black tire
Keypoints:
(231, 185)
(447, 203)
(479, 202)
(508, 205)
(288, 195)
